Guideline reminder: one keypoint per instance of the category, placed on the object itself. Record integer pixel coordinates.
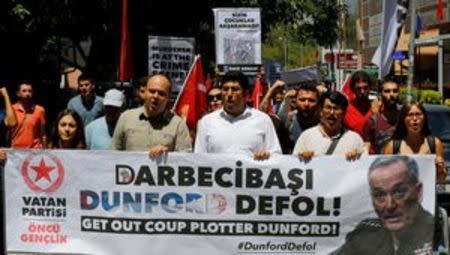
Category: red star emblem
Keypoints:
(42, 171)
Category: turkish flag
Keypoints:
(258, 93)
(208, 84)
(439, 10)
(191, 104)
(347, 90)
(259, 90)
(125, 62)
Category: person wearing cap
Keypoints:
(99, 132)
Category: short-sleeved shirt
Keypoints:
(253, 130)
(316, 140)
(28, 132)
(135, 131)
(97, 135)
(87, 113)
(377, 131)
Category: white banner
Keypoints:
(171, 55)
(98, 202)
(238, 39)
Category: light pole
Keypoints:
(412, 7)
(285, 52)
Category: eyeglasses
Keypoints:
(215, 97)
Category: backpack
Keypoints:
(430, 140)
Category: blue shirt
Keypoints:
(97, 135)
(87, 114)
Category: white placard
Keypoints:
(238, 38)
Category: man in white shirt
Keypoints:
(236, 127)
(330, 137)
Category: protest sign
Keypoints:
(238, 39)
(105, 202)
(171, 55)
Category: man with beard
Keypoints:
(236, 127)
(330, 136)
(359, 108)
(305, 114)
(29, 133)
(152, 127)
(403, 226)
(87, 104)
(381, 125)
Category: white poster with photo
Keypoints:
(171, 55)
(107, 202)
(238, 39)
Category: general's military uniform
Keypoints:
(371, 238)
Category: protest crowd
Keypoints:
(307, 122)
(239, 113)
(278, 129)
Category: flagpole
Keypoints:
(184, 83)
(412, 29)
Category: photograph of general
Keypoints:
(403, 226)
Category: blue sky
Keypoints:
(352, 5)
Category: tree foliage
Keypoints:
(312, 19)
(351, 36)
(283, 44)
(35, 33)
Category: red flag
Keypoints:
(258, 93)
(347, 90)
(439, 10)
(125, 62)
(208, 82)
(191, 103)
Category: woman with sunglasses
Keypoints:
(214, 97)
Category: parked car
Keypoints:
(439, 122)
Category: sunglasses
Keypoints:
(215, 97)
